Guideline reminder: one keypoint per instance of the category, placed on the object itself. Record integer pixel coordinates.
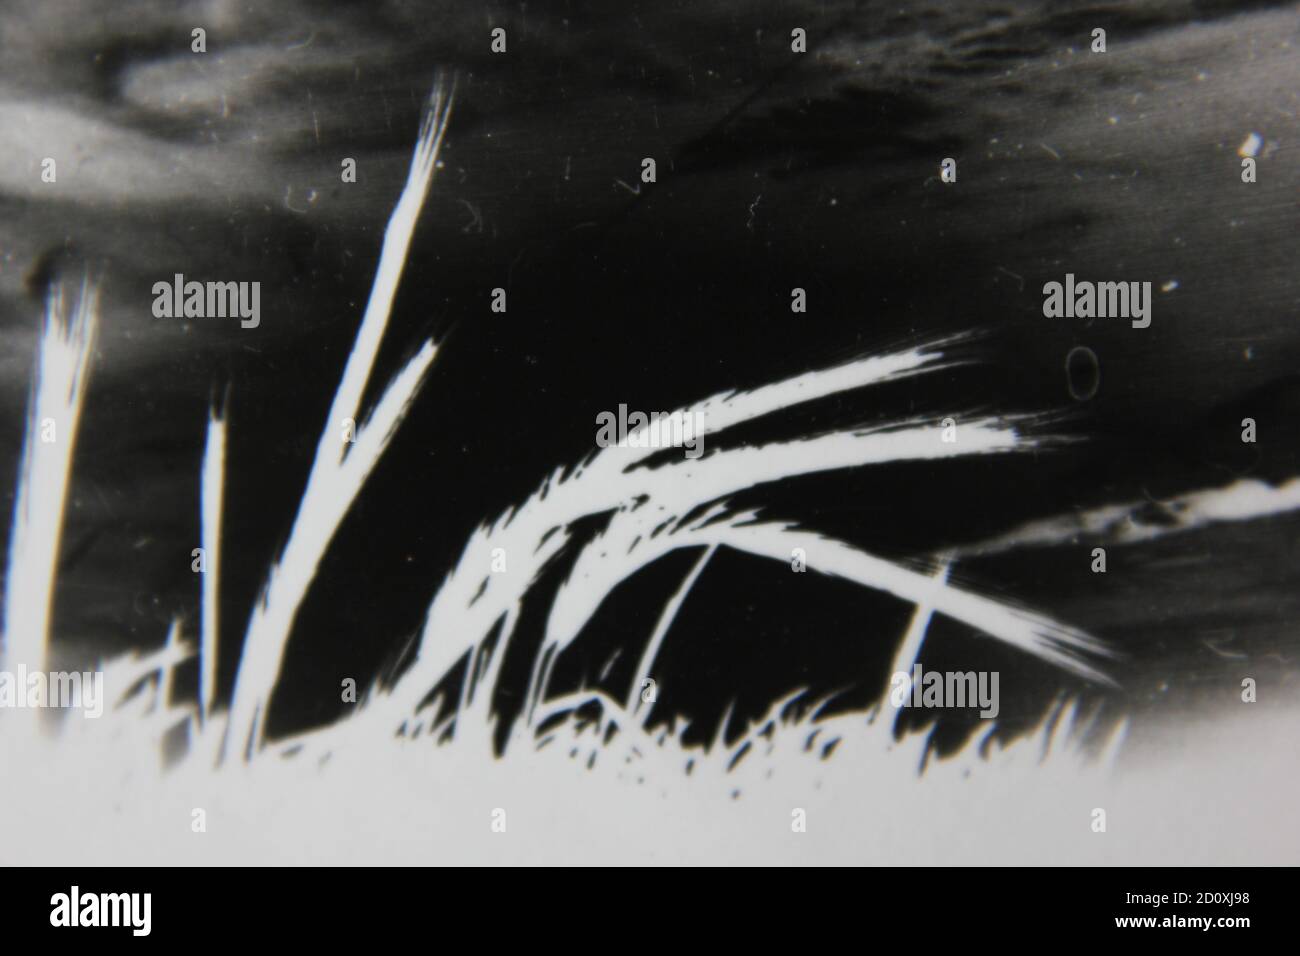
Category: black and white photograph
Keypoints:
(723, 433)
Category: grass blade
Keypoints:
(339, 468)
(214, 470)
(58, 395)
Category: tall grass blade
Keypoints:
(214, 471)
(340, 468)
(58, 395)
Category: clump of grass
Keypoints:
(647, 507)
(644, 505)
(99, 794)
(340, 467)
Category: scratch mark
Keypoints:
(476, 223)
(1228, 654)
(1018, 278)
